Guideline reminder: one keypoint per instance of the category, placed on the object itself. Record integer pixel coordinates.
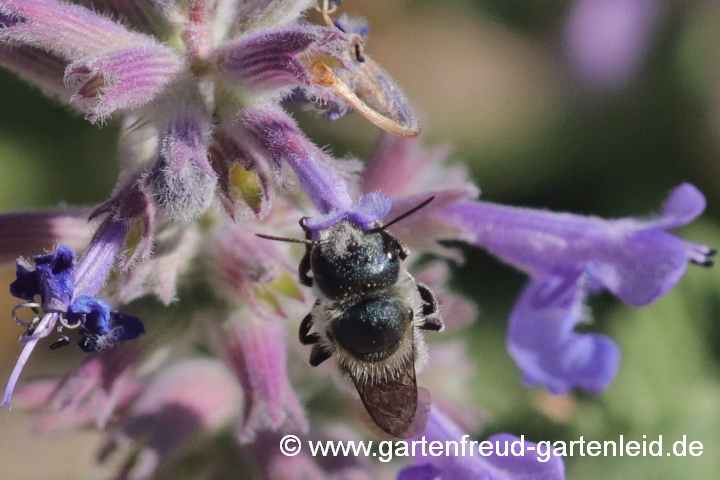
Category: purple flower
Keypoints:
(257, 353)
(204, 120)
(568, 257)
(181, 180)
(543, 344)
(606, 41)
(501, 464)
(637, 260)
(65, 290)
(122, 79)
(179, 407)
(228, 69)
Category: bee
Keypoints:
(369, 314)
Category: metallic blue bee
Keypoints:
(369, 315)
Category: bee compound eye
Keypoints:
(372, 329)
(390, 246)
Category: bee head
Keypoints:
(355, 261)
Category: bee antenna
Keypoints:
(403, 216)
(291, 240)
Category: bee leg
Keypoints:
(307, 338)
(60, 343)
(431, 312)
(304, 267)
(318, 355)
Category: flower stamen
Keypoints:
(32, 305)
(327, 9)
(92, 88)
(700, 254)
(70, 326)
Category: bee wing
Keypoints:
(394, 405)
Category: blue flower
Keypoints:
(52, 279)
(65, 290)
(90, 312)
(101, 328)
(499, 465)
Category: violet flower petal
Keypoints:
(132, 205)
(240, 176)
(494, 467)
(68, 31)
(635, 260)
(190, 399)
(280, 58)
(370, 208)
(684, 205)
(22, 233)
(278, 136)
(183, 182)
(122, 79)
(26, 284)
(38, 68)
(94, 267)
(118, 328)
(542, 343)
(43, 329)
(56, 277)
(257, 353)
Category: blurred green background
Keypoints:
(494, 79)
